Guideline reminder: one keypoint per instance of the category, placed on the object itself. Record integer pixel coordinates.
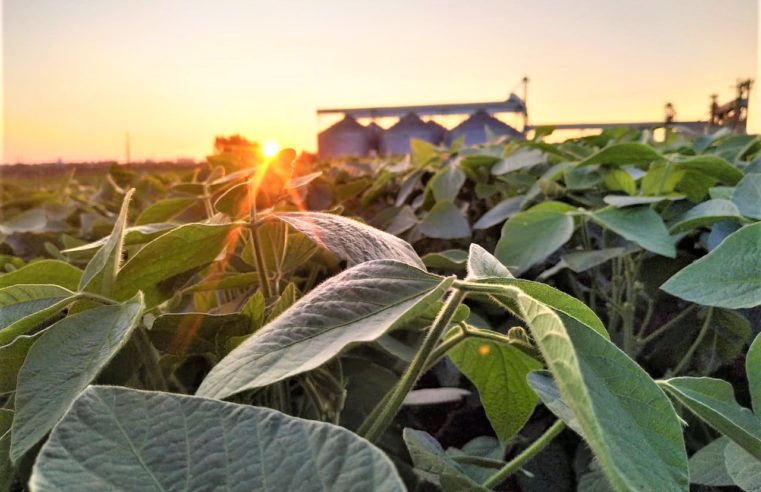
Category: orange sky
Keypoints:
(79, 74)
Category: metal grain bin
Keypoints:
(396, 140)
(474, 128)
(347, 137)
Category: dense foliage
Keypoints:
(431, 322)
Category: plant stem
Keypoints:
(261, 269)
(97, 298)
(525, 455)
(691, 351)
(415, 369)
(665, 327)
(150, 360)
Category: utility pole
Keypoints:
(126, 146)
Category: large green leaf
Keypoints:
(641, 225)
(712, 166)
(53, 272)
(713, 400)
(499, 372)
(520, 159)
(445, 221)
(12, 357)
(65, 359)
(729, 276)
(705, 214)
(116, 438)
(107, 260)
(744, 469)
(164, 210)
(180, 250)
(747, 196)
(753, 371)
(349, 239)
(434, 464)
(530, 237)
(358, 305)
(621, 154)
(628, 422)
(620, 180)
(23, 307)
(500, 212)
(446, 183)
(707, 466)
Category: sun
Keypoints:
(270, 148)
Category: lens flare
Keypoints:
(270, 148)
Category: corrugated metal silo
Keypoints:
(396, 140)
(474, 128)
(347, 137)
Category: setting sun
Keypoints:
(270, 148)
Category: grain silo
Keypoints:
(396, 140)
(440, 133)
(474, 128)
(347, 137)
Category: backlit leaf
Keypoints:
(641, 225)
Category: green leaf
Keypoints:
(105, 264)
(65, 359)
(621, 201)
(428, 455)
(621, 154)
(445, 221)
(661, 178)
(164, 210)
(422, 151)
(12, 357)
(547, 391)
(482, 264)
(744, 468)
(184, 334)
(753, 371)
(180, 250)
(581, 178)
(641, 225)
(520, 159)
(200, 444)
(23, 307)
(31, 220)
(627, 421)
(132, 236)
(6, 467)
(705, 214)
(620, 180)
(712, 166)
(581, 261)
(530, 237)
(446, 183)
(713, 400)
(451, 258)
(349, 239)
(729, 276)
(747, 196)
(707, 466)
(499, 372)
(53, 272)
(500, 212)
(358, 305)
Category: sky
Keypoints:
(79, 74)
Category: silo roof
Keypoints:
(346, 124)
(480, 119)
(410, 121)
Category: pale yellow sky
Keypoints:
(78, 74)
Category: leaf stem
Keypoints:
(150, 360)
(416, 367)
(261, 268)
(668, 325)
(528, 453)
(691, 351)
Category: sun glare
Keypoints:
(270, 148)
